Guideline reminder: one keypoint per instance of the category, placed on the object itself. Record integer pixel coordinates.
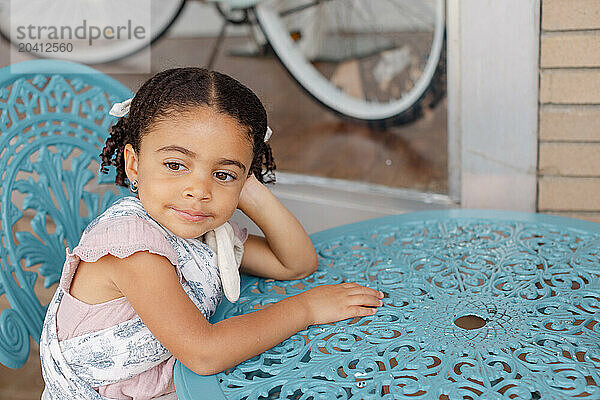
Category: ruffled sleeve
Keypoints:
(120, 238)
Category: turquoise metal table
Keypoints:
(479, 304)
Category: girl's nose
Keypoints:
(198, 188)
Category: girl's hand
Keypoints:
(251, 193)
(330, 303)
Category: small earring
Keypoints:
(133, 186)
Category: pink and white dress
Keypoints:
(104, 351)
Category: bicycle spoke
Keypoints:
(403, 8)
(303, 7)
(352, 68)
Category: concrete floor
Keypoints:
(399, 170)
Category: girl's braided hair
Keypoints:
(177, 90)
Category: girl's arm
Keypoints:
(150, 284)
(286, 251)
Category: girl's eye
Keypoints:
(224, 176)
(174, 166)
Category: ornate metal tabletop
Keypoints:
(479, 304)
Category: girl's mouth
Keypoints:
(190, 217)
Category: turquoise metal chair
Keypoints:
(53, 123)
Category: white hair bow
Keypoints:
(121, 109)
(268, 134)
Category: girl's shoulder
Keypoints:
(128, 206)
(123, 229)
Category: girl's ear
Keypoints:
(131, 162)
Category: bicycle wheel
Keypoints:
(379, 61)
(102, 13)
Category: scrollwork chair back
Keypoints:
(53, 123)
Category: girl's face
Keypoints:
(191, 170)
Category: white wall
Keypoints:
(493, 48)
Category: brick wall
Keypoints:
(569, 130)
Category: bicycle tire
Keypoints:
(426, 93)
(116, 52)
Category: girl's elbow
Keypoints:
(314, 264)
(207, 359)
(205, 370)
(205, 365)
(310, 267)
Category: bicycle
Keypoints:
(379, 61)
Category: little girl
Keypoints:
(137, 291)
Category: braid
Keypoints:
(269, 166)
(112, 154)
(178, 90)
(263, 166)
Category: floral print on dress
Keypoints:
(128, 330)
